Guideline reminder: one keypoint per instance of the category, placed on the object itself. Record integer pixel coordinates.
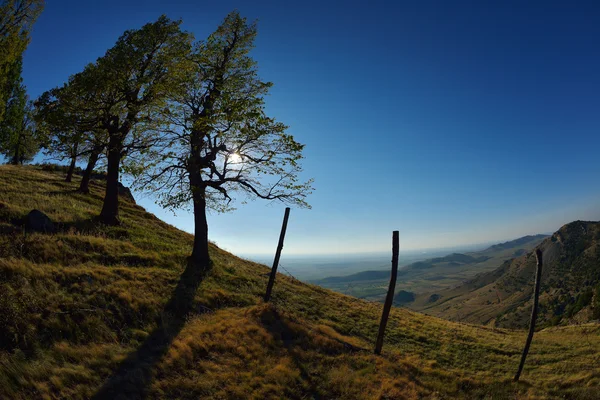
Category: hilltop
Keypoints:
(570, 290)
(91, 311)
(516, 243)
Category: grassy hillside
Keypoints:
(425, 278)
(570, 290)
(94, 311)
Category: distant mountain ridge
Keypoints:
(453, 259)
(570, 288)
(428, 276)
(515, 243)
(359, 276)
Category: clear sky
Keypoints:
(453, 122)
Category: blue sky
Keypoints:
(452, 122)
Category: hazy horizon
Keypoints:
(424, 251)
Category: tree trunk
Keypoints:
(69, 177)
(110, 209)
(200, 257)
(17, 157)
(85, 180)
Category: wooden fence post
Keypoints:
(536, 295)
(277, 255)
(390, 294)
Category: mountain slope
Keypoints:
(512, 244)
(571, 276)
(422, 278)
(95, 311)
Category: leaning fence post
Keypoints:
(536, 295)
(390, 294)
(277, 255)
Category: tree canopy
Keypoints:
(16, 19)
(187, 120)
(18, 136)
(123, 92)
(70, 131)
(220, 140)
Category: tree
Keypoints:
(70, 132)
(66, 145)
(126, 87)
(21, 144)
(97, 144)
(221, 140)
(16, 19)
(18, 139)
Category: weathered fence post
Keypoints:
(277, 255)
(536, 295)
(390, 294)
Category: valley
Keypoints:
(430, 275)
(502, 297)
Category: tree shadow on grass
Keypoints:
(297, 341)
(294, 341)
(133, 376)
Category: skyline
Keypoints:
(476, 125)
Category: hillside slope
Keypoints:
(516, 243)
(95, 311)
(570, 290)
(423, 279)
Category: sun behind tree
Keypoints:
(221, 141)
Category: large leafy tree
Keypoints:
(18, 138)
(221, 140)
(127, 88)
(16, 19)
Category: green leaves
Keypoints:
(16, 18)
(18, 138)
(122, 95)
(219, 114)
(178, 112)
(142, 68)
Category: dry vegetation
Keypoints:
(570, 285)
(89, 308)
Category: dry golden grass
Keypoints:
(88, 309)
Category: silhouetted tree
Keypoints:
(66, 128)
(16, 18)
(97, 147)
(18, 139)
(220, 139)
(126, 87)
(117, 101)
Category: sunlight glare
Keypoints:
(235, 158)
